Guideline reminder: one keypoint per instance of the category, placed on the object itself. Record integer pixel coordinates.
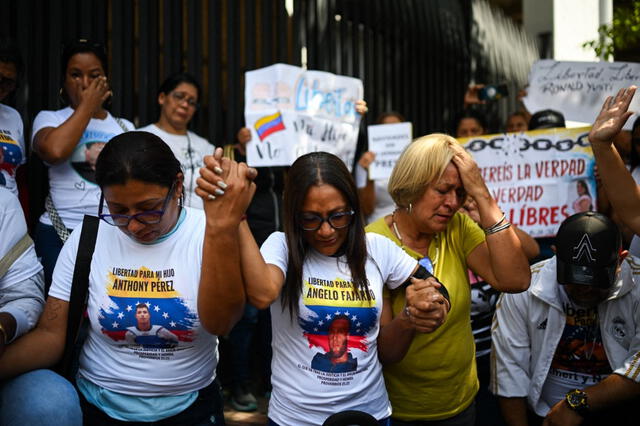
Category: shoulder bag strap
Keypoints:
(79, 290)
(121, 124)
(56, 220)
(16, 251)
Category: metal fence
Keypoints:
(412, 55)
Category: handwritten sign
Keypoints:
(291, 112)
(578, 89)
(387, 141)
(538, 178)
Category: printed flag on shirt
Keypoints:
(316, 325)
(11, 153)
(171, 314)
(268, 125)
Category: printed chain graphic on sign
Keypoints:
(269, 125)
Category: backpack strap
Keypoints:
(79, 290)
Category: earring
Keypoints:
(410, 208)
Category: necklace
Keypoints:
(435, 239)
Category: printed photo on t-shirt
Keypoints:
(85, 155)
(336, 319)
(143, 309)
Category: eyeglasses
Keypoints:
(149, 217)
(338, 220)
(6, 83)
(181, 96)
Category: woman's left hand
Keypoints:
(469, 173)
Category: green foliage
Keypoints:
(621, 34)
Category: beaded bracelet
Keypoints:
(490, 229)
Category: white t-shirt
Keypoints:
(13, 228)
(126, 277)
(307, 386)
(190, 150)
(580, 359)
(72, 183)
(12, 148)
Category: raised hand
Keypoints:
(471, 95)
(469, 173)
(361, 107)
(226, 188)
(94, 95)
(614, 113)
(366, 159)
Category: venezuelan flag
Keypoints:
(268, 125)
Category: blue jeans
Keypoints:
(48, 246)
(39, 397)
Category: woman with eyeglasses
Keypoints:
(323, 278)
(69, 141)
(149, 356)
(436, 380)
(178, 98)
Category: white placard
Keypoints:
(538, 178)
(292, 111)
(578, 89)
(387, 141)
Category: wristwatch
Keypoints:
(577, 401)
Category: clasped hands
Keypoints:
(226, 187)
(426, 308)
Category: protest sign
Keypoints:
(538, 178)
(387, 141)
(578, 89)
(291, 112)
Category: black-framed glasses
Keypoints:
(181, 96)
(149, 217)
(337, 220)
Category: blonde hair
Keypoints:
(422, 162)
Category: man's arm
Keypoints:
(511, 354)
(620, 187)
(514, 411)
(612, 391)
(23, 303)
(40, 348)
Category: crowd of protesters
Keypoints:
(409, 301)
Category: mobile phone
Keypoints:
(493, 92)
